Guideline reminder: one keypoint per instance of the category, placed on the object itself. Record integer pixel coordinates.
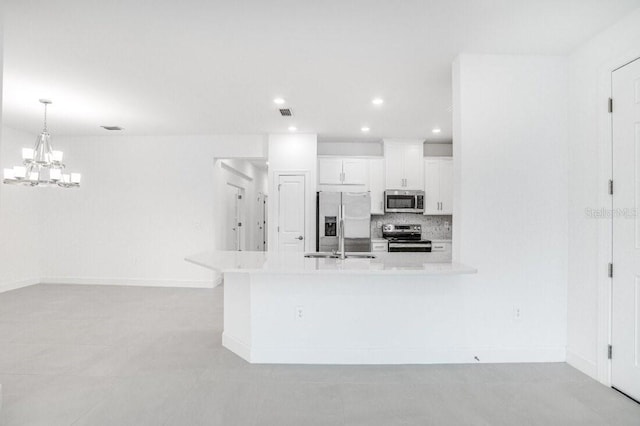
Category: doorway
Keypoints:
(234, 217)
(625, 222)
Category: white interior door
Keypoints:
(231, 231)
(261, 223)
(625, 330)
(291, 213)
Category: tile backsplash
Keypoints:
(433, 227)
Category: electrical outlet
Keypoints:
(379, 224)
(517, 313)
(299, 313)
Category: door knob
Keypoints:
(300, 238)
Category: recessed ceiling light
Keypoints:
(436, 130)
(278, 101)
(377, 101)
(365, 129)
(292, 128)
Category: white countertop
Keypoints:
(296, 263)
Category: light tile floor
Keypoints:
(100, 355)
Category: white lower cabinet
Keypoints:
(441, 246)
(379, 244)
(438, 186)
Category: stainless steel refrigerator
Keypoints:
(356, 212)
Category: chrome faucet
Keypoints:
(341, 251)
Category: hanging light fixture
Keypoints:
(42, 166)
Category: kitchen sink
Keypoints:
(337, 256)
(322, 255)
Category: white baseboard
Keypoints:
(237, 347)
(271, 355)
(588, 367)
(129, 282)
(13, 285)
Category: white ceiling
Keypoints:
(213, 67)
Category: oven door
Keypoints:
(402, 203)
(409, 247)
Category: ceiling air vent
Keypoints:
(285, 112)
(111, 127)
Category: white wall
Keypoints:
(374, 149)
(510, 167)
(145, 203)
(293, 153)
(438, 149)
(590, 69)
(19, 218)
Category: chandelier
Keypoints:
(42, 166)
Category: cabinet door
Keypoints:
(446, 186)
(394, 165)
(330, 171)
(355, 171)
(376, 185)
(414, 166)
(431, 186)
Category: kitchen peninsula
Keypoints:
(287, 308)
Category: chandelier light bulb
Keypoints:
(57, 156)
(8, 174)
(75, 177)
(55, 174)
(34, 176)
(20, 172)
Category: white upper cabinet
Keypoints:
(330, 171)
(394, 166)
(354, 172)
(376, 185)
(404, 164)
(438, 186)
(343, 171)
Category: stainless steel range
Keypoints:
(405, 238)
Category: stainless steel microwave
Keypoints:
(403, 201)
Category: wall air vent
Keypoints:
(111, 127)
(285, 112)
